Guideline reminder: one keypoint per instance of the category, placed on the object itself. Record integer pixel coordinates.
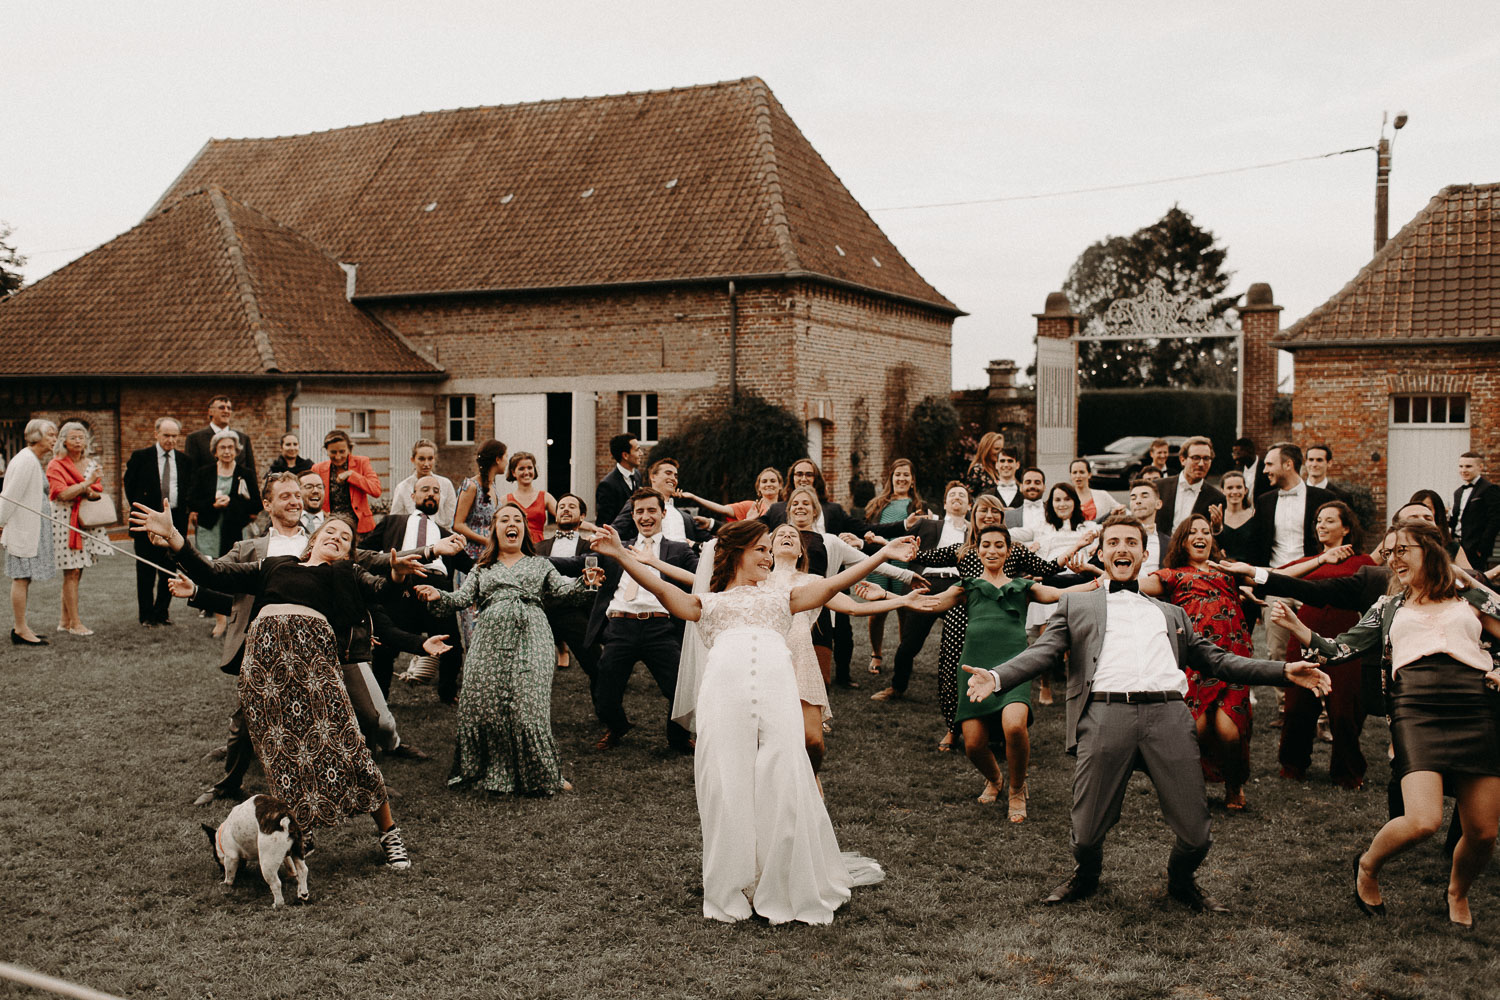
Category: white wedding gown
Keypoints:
(768, 845)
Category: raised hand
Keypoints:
(436, 645)
(448, 545)
(606, 542)
(427, 593)
(867, 591)
(920, 584)
(1283, 615)
(981, 683)
(181, 586)
(155, 522)
(923, 603)
(901, 549)
(1216, 517)
(1307, 675)
(1336, 554)
(851, 539)
(404, 566)
(1233, 567)
(593, 577)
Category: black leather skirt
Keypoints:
(1444, 719)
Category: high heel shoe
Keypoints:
(16, 639)
(1371, 909)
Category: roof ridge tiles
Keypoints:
(243, 279)
(770, 176)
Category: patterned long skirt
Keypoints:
(302, 723)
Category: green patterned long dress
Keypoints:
(505, 739)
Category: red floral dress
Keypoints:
(1212, 600)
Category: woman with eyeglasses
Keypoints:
(1445, 711)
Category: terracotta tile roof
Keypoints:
(702, 182)
(206, 287)
(1438, 279)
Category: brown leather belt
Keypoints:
(638, 615)
(1135, 697)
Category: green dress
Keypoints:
(505, 739)
(996, 632)
(896, 510)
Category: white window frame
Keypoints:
(1427, 398)
(467, 419)
(645, 424)
(361, 423)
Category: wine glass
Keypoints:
(591, 561)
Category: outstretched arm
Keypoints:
(816, 593)
(1054, 642)
(606, 542)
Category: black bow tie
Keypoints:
(1133, 586)
(566, 534)
(1466, 486)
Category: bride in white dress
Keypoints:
(768, 845)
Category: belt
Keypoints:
(638, 615)
(1135, 697)
(952, 573)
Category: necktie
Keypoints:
(1115, 586)
(422, 531)
(633, 589)
(166, 480)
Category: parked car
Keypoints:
(1123, 458)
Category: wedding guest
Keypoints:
(290, 459)
(613, 492)
(1125, 705)
(424, 464)
(570, 623)
(1246, 459)
(1150, 474)
(1339, 531)
(291, 686)
(349, 481)
(1028, 514)
(157, 475)
(72, 479)
(1006, 487)
(676, 523)
(1317, 467)
(505, 742)
(222, 496)
(1235, 533)
(895, 503)
(984, 471)
(198, 448)
(998, 605)
(768, 490)
(1221, 709)
(1444, 727)
(1476, 512)
(27, 535)
(1096, 504)
(1285, 521)
(477, 502)
(1159, 451)
(1190, 492)
(311, 485)
(1145, 505)
(538, 504)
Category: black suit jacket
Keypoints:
(1208, 495)
(142, 482)
(1481, 522)
(677, 554)
(610, 496)
(1357, 592)
(1264, 524)
(198, 454)
(390, 534)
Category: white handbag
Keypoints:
(98, 513)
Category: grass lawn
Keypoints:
(108, 881)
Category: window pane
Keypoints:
(1419, 409)
(651, 404)
(1440, 409)
(632, 404)
(1401, 408)
(1458, 409)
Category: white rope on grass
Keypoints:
(61, 987)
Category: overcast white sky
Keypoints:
(910, 103)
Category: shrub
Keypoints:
(719, 452)
(927, 438)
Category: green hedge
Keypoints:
(720, 452)
(1107, 414)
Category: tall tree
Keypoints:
(10, 263)
(1190, 265)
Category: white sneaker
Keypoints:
(396, 857)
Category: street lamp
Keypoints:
(1383, 176)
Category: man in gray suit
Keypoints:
(1126, 684)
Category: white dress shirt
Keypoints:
(630, 597)
(1465, 491)
(563, 548)
(1152, 561)
(1291, 511)
(173, 486)
(1187, 496)
(1137, 652)
(672, 525)
(311, 520)
(434, 534)
(401, 502)
(629, 477)
(953, 533)
(285, 545)
(1321, 484)
(1033, 515)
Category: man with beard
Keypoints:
(570, 623)
(421, 531)
(311, 485)
(1026, 517)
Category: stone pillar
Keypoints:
(1260, 321)
(1056, 387)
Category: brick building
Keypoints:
(548, 273)
(1400, 370)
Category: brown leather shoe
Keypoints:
(1190, 895)
(1079, 886)
(610, 739)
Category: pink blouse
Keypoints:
(1451, 627)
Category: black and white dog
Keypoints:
(262, 829)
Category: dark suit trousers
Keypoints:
(239, 756)
(1115, 739)
(406, 615)
(915, 628)
(569, 626)
(656, 642)
(843, 646)
(1346, 718)
(151, 606)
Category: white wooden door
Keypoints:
(1422, 458)
(406, 430)
(313, 422)
(521, 422)
(1056, 406)
(582, 451)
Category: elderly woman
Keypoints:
(73, 478)
(27, 535)
(225, 500)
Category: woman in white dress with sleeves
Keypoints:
(768, 845)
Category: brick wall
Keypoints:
(1342, 397)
